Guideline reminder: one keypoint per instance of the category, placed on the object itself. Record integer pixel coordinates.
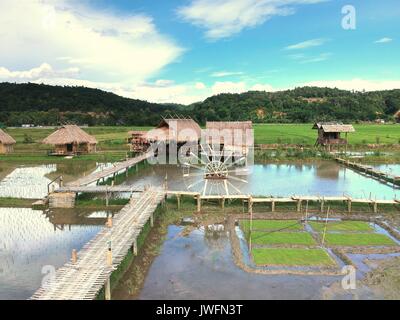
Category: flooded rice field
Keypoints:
(200, 266)
(326, 178)
(30, 181)
(33, 243)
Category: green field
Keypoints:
(271, 238)
(291, 257)
(358, 239)
(303, 134)
(342, 226)
(271, 225)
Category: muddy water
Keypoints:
(200, 266)
(30, 181)
(320, 178)
(31, 240)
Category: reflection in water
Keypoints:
(30, 182)
(389, 168)
(27, 182)
(193, 267)
(28, 241)
(322, 178)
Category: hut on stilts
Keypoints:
(235, 137)
(329, 134)
(6, 143)
(71, 140)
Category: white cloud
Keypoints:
(384, 40)
(65, 34)
(306, 44)
(43, 71)
(356, 84)
(224, 18)
(220, 74)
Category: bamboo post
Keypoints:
(326, 224)
(109, 222)
(322, 204)
(349, 205)
(198, 203)
(298, 205)
(135, 248)
(74, 256)
(178, 200)
(223, 203)
(375, 207)
(151, 219)
(107, 289)
(273, 206)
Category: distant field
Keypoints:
(291, 257)
(343, 226)
(114, 138)
(303, 134)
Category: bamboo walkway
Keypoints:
(82, 279)
(381, 176)
(121, 166)
(100, 189)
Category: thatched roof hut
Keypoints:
(329, 133)
(6, 142)
(233, 135)
(179, 130)
(70, 139)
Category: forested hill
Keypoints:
(52, 105)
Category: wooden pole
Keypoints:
(135, 248)
(349, 205)
(198, 203)
(298, 205)
(273, 206)
(326, 224)
(74, 256)
(178, 200)
(250, 208)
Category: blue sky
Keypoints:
(185, 51)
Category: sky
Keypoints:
(185, 51)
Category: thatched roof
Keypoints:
(230, 133)
(397, 114)
(334, 127)
(5, 138)
(181, 130)
(69, 134)
(220, 125)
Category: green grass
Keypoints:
(266, 238)
(8, 202)
(291, 257)
(358, 239)
(303, 134)
(271, 225)
(342, 226)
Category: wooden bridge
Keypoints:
(100, 189)
(90, 269)
(381, 176)
(112, 171)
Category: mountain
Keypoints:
(41, 104)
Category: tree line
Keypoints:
(40, 104)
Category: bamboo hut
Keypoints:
(6, 143)
(71, 140)
(175, 130)
(138, 141)
(231, 136)
(329, 134)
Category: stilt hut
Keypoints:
(179, 131)
(138, 141)
(6, 143)
(329, 134)
(232, 136)
(71, 140)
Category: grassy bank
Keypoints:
(9, 202)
